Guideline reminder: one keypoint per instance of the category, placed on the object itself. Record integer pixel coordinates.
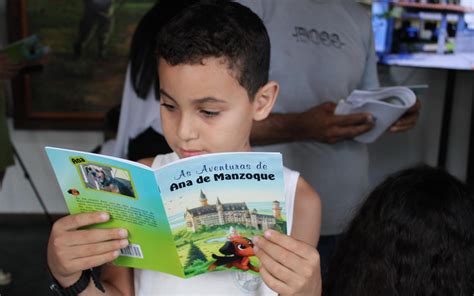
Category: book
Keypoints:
(186, 218)
(27, 49)
(386, 105)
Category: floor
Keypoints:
(23, 253)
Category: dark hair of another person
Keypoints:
(219, 29)
(143, 65)
(414, 235)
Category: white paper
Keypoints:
(386, 105)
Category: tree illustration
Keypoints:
(195, 254)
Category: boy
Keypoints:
(213, 73)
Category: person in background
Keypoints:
(321, 51)
(97, 15)
(140, 134)
(414, 235)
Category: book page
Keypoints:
(129, 193)
(386, 105)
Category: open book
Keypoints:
(25, 50)
(189, 217)
(386, 105)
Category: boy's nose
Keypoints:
(187, 129)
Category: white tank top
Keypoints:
(148, 282)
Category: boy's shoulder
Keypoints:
(306, 213)
(305, 193)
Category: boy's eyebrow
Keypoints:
(166, 94)
(196, 101)
(208, 100)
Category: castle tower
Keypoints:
(220, 212)
(254, 218)
(188, 217)
(203, 199)
(276, 209)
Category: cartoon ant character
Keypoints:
(238, 250)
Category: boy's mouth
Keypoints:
(188, 153)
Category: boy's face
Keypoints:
(204, 109)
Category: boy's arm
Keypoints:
(290, 264)
(306, 214)
(117, 281)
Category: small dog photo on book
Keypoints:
(106, 178)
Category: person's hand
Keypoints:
(70, 250)
(288, 266)
(321, 124)
(408, 120)
(8, 69)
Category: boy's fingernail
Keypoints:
(116, 253)
(123, 233)
(124, 243)
(255, 239)
(104, 216)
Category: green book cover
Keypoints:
(189, 217)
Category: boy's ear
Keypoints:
(264, 100)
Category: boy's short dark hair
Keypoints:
(219, 29)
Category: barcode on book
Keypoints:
(132, 250)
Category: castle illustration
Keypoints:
(224, 213)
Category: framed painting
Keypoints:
(84, 71)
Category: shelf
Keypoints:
(433, 6)
(432, 16)
(460, 61)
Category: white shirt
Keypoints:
(321, 50)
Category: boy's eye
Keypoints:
(208, 113)
(168, 106)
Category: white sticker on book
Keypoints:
(132, 250)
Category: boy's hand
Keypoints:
(288, 266)
(70, 251)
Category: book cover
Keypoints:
(189, 217)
